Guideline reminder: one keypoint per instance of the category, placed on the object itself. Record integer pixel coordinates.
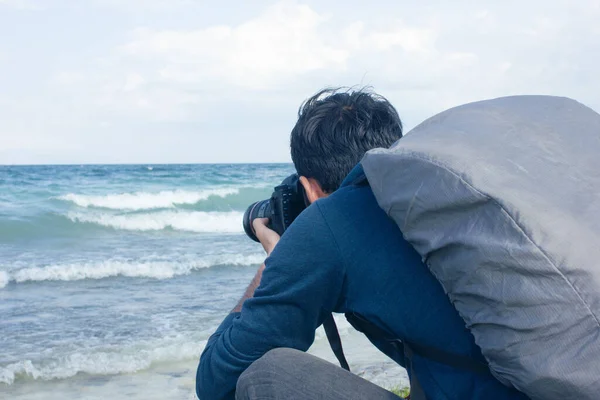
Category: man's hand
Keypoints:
(267, 237)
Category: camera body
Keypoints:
(286, 203)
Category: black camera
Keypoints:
(286, 203)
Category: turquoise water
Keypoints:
(113, 277)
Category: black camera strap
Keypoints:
(335, 342)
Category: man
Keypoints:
(342, 254)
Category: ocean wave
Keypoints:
(4, 279)
(113, 268)
(130, 359)
(189, 221)
(146, 200)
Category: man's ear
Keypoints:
(313, 189)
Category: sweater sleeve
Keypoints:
(301, 285)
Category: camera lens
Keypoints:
(260, 209)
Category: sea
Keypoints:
(112, 277)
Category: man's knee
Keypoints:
(263, 376)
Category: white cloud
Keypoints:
(139, 5)
(288, 48)
(238, 77)
(69, 78)
(459, 55)
(412, 40)
(280, 44)
(133, 82)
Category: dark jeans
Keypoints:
(291, 374)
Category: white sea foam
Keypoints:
(142, 269)
(190, 221)
(133, 358)
(146, 200)
(4, 279)
(365, 360)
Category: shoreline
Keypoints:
(176, 380)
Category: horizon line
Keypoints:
(144, 164)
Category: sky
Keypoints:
(183, 81)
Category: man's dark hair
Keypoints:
(336, 128)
